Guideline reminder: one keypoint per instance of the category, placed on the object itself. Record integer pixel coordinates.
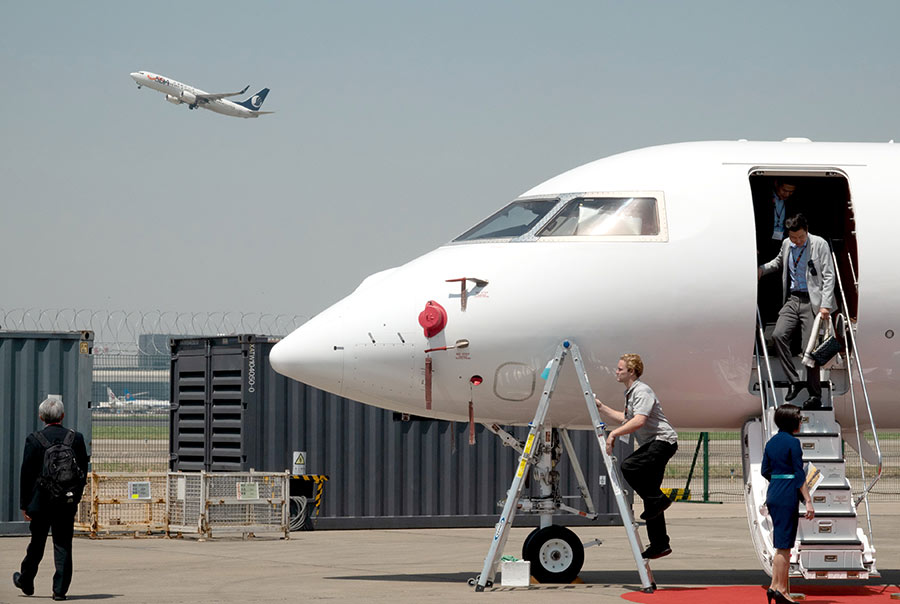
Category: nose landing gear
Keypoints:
(555, 552)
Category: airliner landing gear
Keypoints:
(194, 106)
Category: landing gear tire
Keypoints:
(527, 541)
(556, 554)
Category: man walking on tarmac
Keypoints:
(657, 443)
(54, 470)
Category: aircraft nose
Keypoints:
(313, 354)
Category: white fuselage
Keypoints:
(185, 94)
(685, 302)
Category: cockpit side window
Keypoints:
(514, 220)
(605, 216)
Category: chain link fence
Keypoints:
(130, 419)
(718, 477)
(147, 331)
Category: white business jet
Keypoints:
(652, 251)
(178, 93)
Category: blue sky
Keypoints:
(398, 125)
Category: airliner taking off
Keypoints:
(178, 93)
(652, 251)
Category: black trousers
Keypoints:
(644, 470)
(61, 520)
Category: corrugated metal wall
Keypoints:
(388, 473)
(383, 472)
(33, 365)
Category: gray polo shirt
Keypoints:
(640, 400)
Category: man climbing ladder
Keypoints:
(535, 452)
(657, 443)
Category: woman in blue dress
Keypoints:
(782, 466)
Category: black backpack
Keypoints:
(61, 474)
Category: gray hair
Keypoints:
(51, 411)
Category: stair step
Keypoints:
(826, 559)
(831, 500)
(825, 447)
(832, 528)
(832, 474)
(818, 422)
(824, 544)
(833, 563)
(828, 514)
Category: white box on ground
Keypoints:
(515, 574)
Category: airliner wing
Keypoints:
(207, 98)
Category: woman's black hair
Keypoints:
(787, 418)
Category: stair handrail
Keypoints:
(862, 467)
(852, 271)
(761, 344)
(848, 331)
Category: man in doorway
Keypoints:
(657, 443)
(771, 207)
(49, 496)
(807, 274)
(771, 213)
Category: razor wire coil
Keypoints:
(120, 331)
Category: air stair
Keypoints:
(837, 544)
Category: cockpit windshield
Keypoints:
(603, 216)
(514, 220)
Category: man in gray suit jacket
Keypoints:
(807, 274)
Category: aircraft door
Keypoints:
(823, 197)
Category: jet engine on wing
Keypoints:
(188, 97)
(173, 99)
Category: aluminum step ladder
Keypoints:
(528, 459)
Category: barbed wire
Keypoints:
(147, 331)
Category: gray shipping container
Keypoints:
(32, 366)
(232, 412)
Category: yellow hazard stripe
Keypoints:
(677, 494)
(320, 480)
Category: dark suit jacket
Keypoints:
(764, 213)
(30, 496)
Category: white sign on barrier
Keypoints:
(139, 491)
(247, 490)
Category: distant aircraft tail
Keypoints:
(255, 101)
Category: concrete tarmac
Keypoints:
(711, 546)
